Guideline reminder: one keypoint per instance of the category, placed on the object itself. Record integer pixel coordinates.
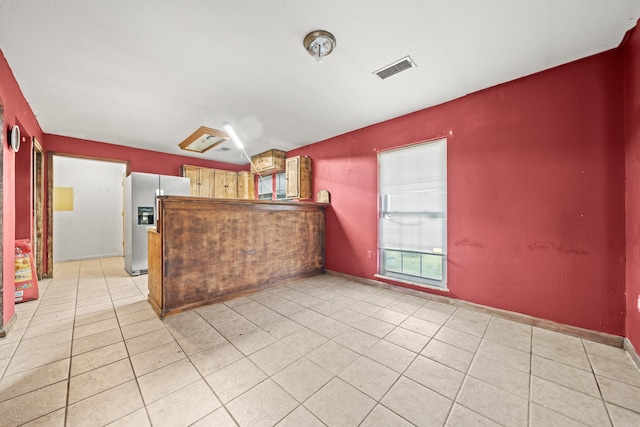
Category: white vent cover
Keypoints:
(395, 68)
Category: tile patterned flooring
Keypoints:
(320, 351)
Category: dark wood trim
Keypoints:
(49, 270)
(101, 159)
(601, 337)
(38, 191)
(268, 203)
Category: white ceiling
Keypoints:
(147, 73)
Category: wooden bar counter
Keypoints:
(207, 250)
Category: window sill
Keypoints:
(409, 282)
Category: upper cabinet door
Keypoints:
(193, 174)
(293, 177)
(231, 185)
(206, 182)
(246, 187)
(225, 185)
(269, 162)
(299, 177)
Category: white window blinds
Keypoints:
(413, 200)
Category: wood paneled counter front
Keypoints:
(207, 250)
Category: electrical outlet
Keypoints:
(370, 255)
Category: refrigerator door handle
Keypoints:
(155, 207)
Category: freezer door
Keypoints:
(140, 200)
(174, 186)
(128, 229)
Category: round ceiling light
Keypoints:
(319, 44)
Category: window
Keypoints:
(281, 186)
(413, 214)
(266, 186)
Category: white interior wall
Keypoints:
(93, 229)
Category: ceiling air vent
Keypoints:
(223, 149)
(395, 68)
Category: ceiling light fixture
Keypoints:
(232, 134)
(319, 44)
(203, 139)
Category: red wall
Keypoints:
(24, 187)
(16, 110)
(632, 156)
(536, 189)
(536, 193)
(139, 160)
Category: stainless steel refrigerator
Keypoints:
(140, 212)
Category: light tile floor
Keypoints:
(320, 351)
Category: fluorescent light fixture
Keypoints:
(203, 139)
(233, 135)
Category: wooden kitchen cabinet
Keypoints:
(298, 172)
(246, 185)
(269, 162)
(225, 184)
(206, 182)
(201, 180)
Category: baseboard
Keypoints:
(632, 352)
(601, 337)
(87, 258)
(4, 330)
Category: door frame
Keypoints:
(50, 155)
(38, 207)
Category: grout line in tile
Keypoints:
(135, 377)
(66, 405)
(223, 405)
(593, 372)
(378, 402)
(466, 374)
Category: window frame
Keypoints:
(277, 183)
(403, 276)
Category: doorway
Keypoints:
(86, 207)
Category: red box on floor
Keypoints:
(26, 280)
